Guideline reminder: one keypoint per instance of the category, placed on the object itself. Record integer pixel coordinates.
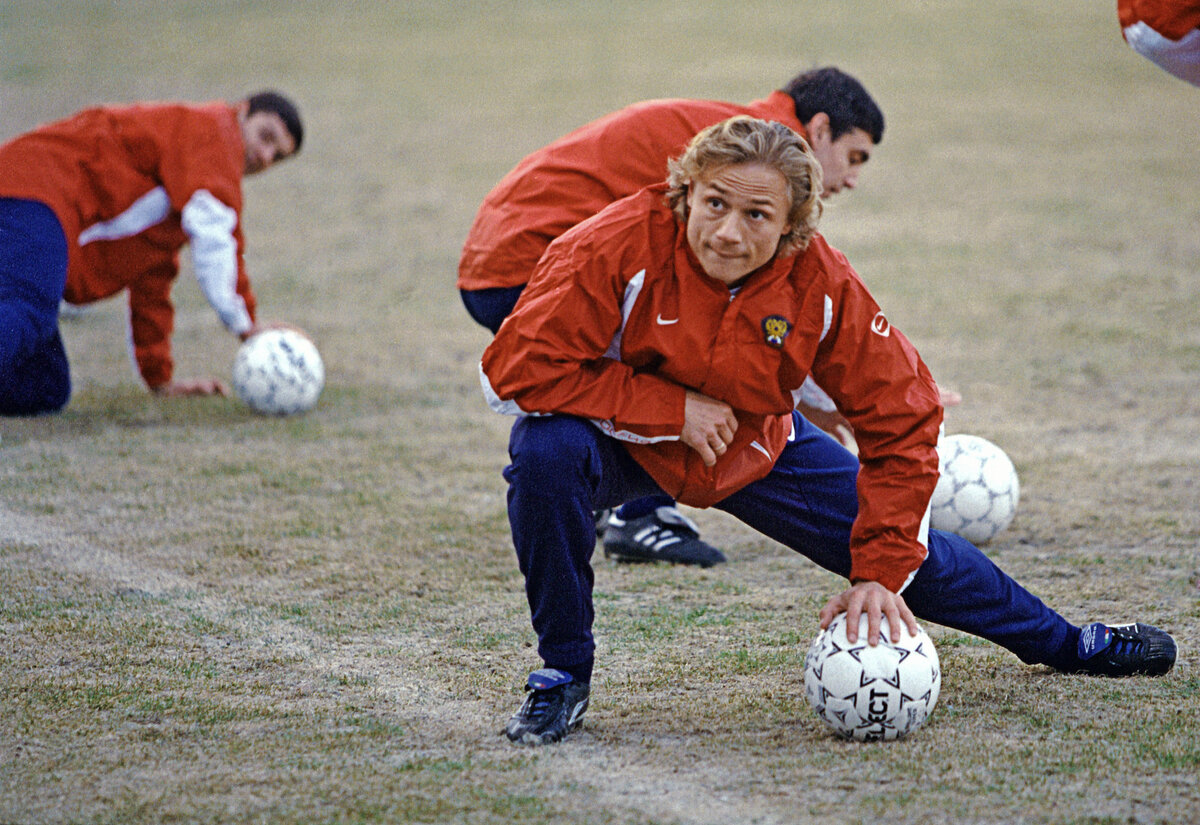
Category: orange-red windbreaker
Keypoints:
(579, 174)
(130, 186)
(619, 320)
(1170, 18)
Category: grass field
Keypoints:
(208, 616)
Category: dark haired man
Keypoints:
(102, 202)
(577, 175)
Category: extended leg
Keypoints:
(809, 502)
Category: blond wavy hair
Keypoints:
(744, 139)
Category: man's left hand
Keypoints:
(875, 600)
(195, 386)
(267, 325)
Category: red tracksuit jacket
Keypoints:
(130, 186)
(619, 320)
(579, 174)
(1170, 18)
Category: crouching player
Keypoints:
(660, 348)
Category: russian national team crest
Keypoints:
(776, 328)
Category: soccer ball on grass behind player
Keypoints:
(978, 490)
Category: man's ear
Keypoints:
(818, 128)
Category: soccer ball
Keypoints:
(869, 693)
(977, 493)
(278, 372)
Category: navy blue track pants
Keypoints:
(564, 468)
(34, 374)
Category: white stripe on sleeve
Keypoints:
(495, 401)
(149, 210)
(632, 290)
(209, 225)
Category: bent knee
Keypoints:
(552, 445)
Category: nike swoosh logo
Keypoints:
(663, 322)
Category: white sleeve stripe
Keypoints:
(608, 428)
(209, 225)
(922, 532)
(495, 401)
(149, 210)
(632, 290)
(923, 540)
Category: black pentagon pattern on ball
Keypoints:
(919, 650)
(840, 715)
(867, 693)
(282, 376)
(818, 664)
(875, 720)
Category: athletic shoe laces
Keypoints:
(1125, 645)
(541, 702)
(1126, 650)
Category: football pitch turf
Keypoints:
(210, 616)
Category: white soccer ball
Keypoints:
(869, 693)
(976, 496)
(279, 372)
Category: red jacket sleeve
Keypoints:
(190, 150)
(549, 355)
(1171, 18)
(887, 394)
(151, 322)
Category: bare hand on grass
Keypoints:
(192, 387)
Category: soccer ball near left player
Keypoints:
(870, 693)
(278, 372)
(978, 490)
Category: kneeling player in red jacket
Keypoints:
(103, 202)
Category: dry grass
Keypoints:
(207, 616)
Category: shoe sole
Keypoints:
(574, 722)
(642, 558)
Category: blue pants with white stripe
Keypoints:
(563, 469)
(34, 374)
